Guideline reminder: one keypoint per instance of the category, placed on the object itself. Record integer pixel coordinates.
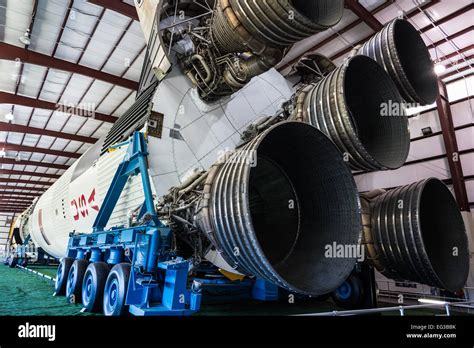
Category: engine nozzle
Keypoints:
(276, 204)
(400, 49)
(359, 107)
(417, 234)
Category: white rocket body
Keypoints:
(69, 206)
(195, 135)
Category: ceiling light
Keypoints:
(439, 69)
(431, 301)
(9, 116)
(25, 38)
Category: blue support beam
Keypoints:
(135, 163)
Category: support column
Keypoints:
(451, 145)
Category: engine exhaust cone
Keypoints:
(274, 215)
(323, 13)
(240, 25)
(400, 49)
(419, 235)
(348, 105)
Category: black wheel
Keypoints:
(115, 290)
(12, 262)
(61, 275)
(93, 286)
(74, 280)
(350, 294)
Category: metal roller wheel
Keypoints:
(74, 280)
(93, 286)
(116, 290)
(61, 275)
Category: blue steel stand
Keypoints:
(158, 282)
(264, 291)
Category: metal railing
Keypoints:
(423, 291)
(446, 306)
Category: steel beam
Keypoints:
(5, 201)
(9, 98)
(455, 72)
(448, 18)
(24, 188)
(32, 149)
(452, 37)
(33, 163)
(17, 128)
(22, 206)
(20, 199)
(19, 181)
(4, 208)
(10, 52)
(32, 194)
(21, 172)
(456, 53)
(11, 211)
(461, 78)
(16, 206)
(463, 60)
(117, 6)
(451, 145)
(361, 12)
(5, 204)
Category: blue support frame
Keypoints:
(158, 282)
(135, 163)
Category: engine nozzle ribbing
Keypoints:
(417, 234)
(275, 205)
(402, 52)
(348, 105)
(256, 26)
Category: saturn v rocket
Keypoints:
(233, 144)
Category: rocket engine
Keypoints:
(239, 39)
(270, 207)
(417, 233)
